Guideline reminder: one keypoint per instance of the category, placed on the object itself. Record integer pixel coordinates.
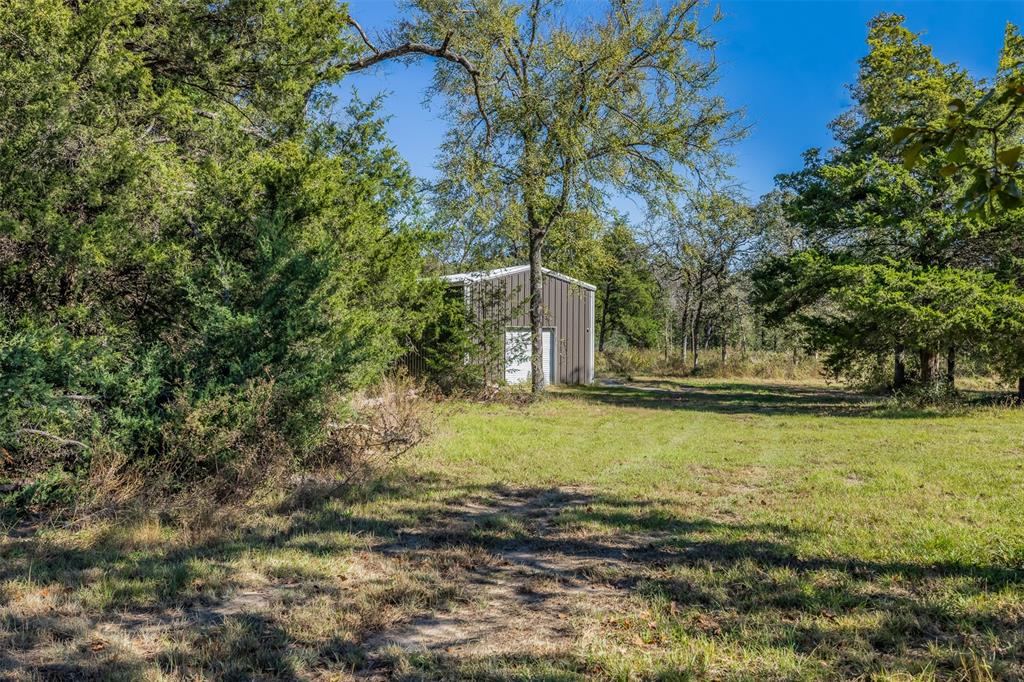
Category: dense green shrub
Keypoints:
(198, 252)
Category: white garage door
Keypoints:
(517, 355)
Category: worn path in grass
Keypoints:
(529, 584)
(710, 530)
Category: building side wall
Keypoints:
(567, 308)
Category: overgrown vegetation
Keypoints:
(198, 261)
(204, 256)
(629, 363)
(212, 271)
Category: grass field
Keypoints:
(675, 530)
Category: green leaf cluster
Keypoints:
(977, 138)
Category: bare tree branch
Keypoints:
(415, 48)
(362, 34)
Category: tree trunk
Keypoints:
(693, 338)
(668, 334)
(723, 351)
(899, 370)
(684, 324)
(951, 366)
(929, 366)
(536, 312)
(1020, 389)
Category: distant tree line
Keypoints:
(897, 252)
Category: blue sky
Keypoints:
(786, 64)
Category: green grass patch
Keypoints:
(750, 530)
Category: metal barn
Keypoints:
(502, 296)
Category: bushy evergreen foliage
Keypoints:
(887, 264)
(183, 221)
(629, 305)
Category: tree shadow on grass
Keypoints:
(737, 398)
(742, 587)
(166, 586)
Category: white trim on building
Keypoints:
(481, 275)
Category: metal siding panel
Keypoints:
(516, 295)
(566, 323)
(581, 332)
(516, 298)
(509, 296)
(547, 300)
(570, 335)
(521, 295)
(576, 336)
(588, 340)
(591, 359)
(584, 323)
(567, 326)
(521, 314)
(569, 332)
(555, 310)
(567, 308)
(559, 314)
(522, 307)
(581, 335)
(521, 292)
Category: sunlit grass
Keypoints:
(780, 531)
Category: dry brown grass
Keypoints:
(739, 363)
(385, 421)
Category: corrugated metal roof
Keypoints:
(480, 275)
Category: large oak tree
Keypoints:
(552, 113)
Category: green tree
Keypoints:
(979, 138)
(181, 223)
(701, 250)
(629, 300)
(859, 206)
(978, 141)
(550, 115)
(857, 312)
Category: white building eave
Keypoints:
(483, 275)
